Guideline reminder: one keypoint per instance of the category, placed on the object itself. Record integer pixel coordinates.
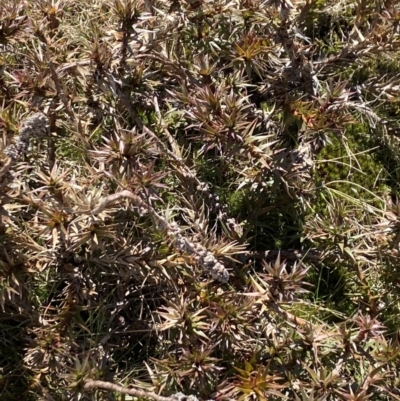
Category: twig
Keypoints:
(183, 73)
(201, 255)
(98, 384)
(6, 167)
(311, 255)
(187, 173)
(60, 92)
(136, 201)
(174, 145)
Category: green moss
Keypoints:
(70, 151)
(379, 65)
(351, 167)
(331, 286)
(319, 23)
(238, 202)
(15, 382)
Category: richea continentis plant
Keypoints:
(199, 200)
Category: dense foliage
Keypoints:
(199, 197)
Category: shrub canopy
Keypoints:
(199, 198)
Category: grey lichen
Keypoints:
(32, 127)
